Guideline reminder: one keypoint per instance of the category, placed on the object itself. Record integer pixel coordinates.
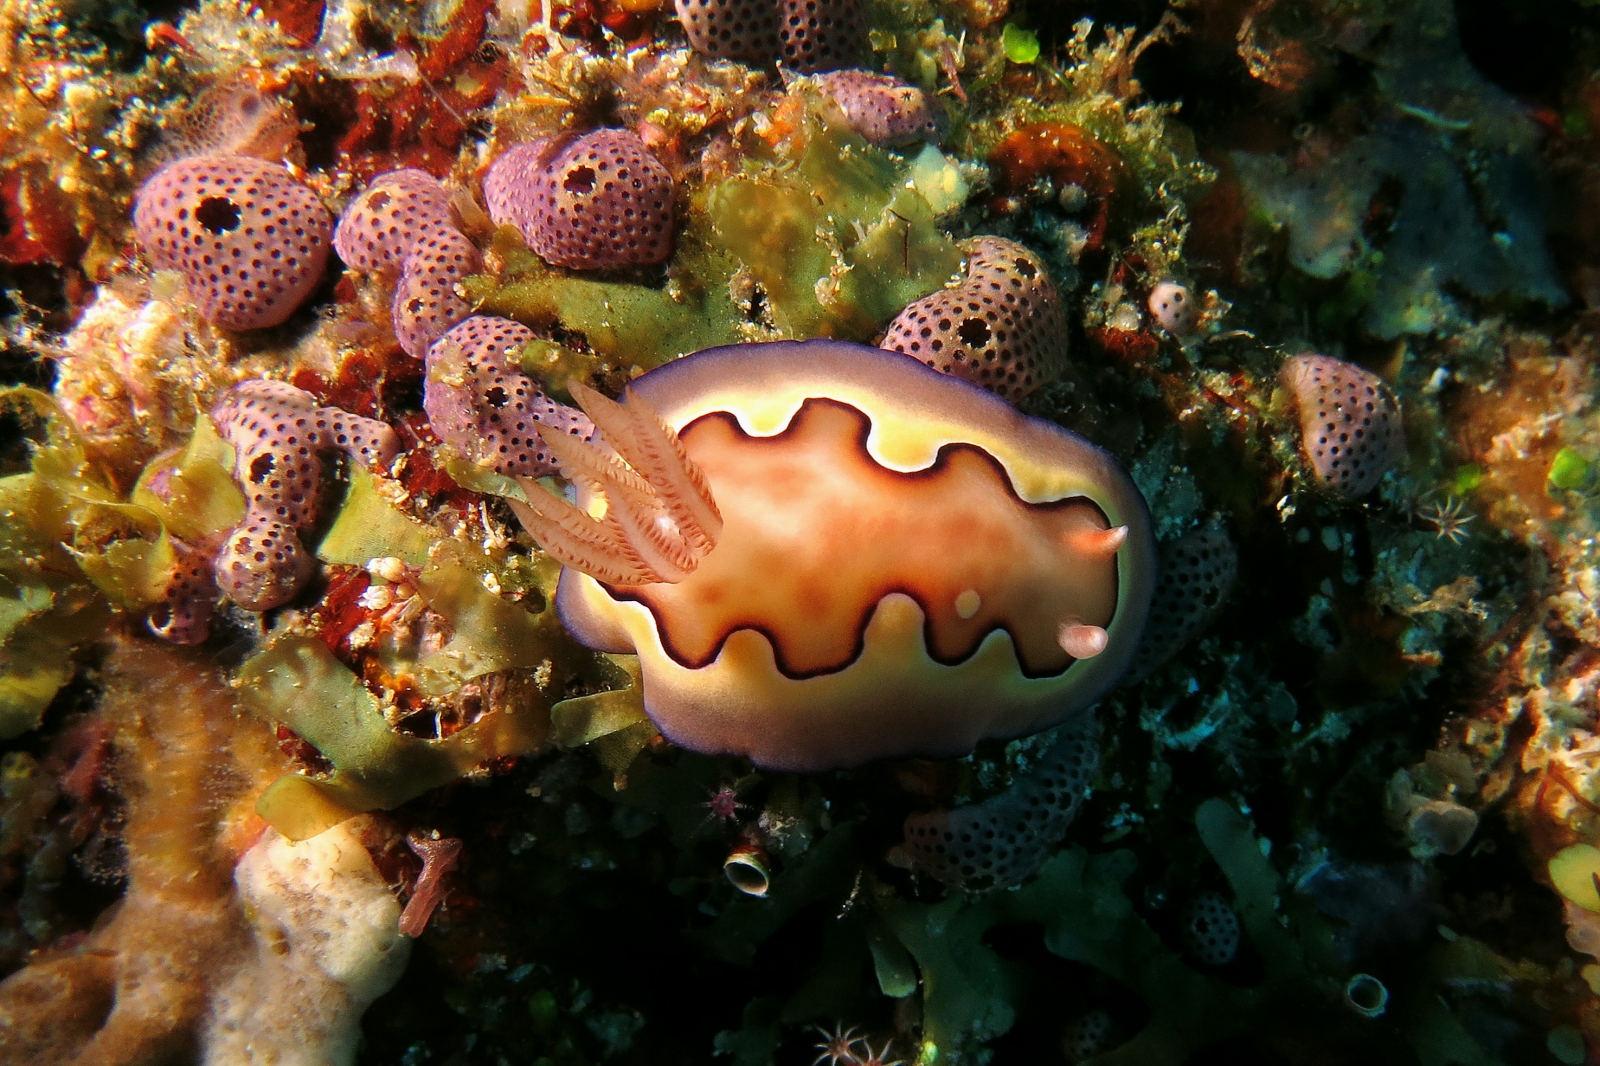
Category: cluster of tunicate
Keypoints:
(278, 432)
(249, 239)
(404, 221)
(1198, 570)
(599, 201)
(1087, 1036)
(480, 402)
(1002, 327)
(1211, 929)
(1005, 839)
(1173, 307)
(183, 615)
(730, 29)
(883, 109)
(1351, 430)
(808, 35)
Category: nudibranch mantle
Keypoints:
(858, 608)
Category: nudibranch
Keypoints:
(825, 554)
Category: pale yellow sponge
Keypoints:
(326, 942)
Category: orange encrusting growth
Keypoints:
(816, 533)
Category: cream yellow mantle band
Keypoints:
(741, 703)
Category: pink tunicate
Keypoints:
(478, 400)
(1351, 429)
(250, 240)
(1004, 840)
(404, 220)
(1002, 328)
(426, 303)
(183, 615)
(1212, 929)
(1198, 570)
(383, 224)
(816, 35)
(884, 110)
(731, 29)
(277, 432)
(600, 201)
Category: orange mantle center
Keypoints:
(816, 533)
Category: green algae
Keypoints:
(625, 324)
(370, 527)
(1575, 873)
(199, 498)
(613, 722)
(70, 548)
(1021, 46)
(839, 242)
(490, 632)
(1569, 470)
(298, 682)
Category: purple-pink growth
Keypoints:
(1004, 840)
(250, 240)
(884, 110)
(1002, 328)
(403, 221)
(599, 201)
(731, 29)
(183, 615)
(1351, 430)
(479, 401)
(278, 432)
(1198, 570)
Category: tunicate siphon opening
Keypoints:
(1366, 995)
(218, 214)
(580, 180)
(747, 870)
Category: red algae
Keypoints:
(1066, 155)
(439, 856)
